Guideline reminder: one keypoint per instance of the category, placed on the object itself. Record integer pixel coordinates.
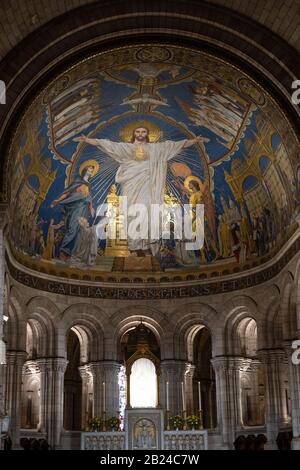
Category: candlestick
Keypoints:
(168, 420)
(184, 421)
(201, 419)
(199, 396)
(104, 401)
(183, 396)
(167, 393)
(104, 421)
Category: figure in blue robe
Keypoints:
(76, 202)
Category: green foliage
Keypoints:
(94, 424)
(193, 421)
(176, 422)
(114, 423)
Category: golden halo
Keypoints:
(189, 179)
(154, 132)
(93, 163)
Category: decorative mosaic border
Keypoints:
(156, 292)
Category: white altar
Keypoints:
(145, 430)
(171, 440)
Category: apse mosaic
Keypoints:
(244, 169)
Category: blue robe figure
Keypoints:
(76, 202)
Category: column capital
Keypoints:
(173, 364)
(231, 363)
(16, 357)
(31, 367)
(271, 356)
(56, 364)
(104, 369)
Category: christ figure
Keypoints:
(142, 172)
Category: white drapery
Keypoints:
(143, 384)
(142, 182)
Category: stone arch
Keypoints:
(16, 325)
(186, 326)
(288, 307)
(273, 326)
(90, 332)
(129, 317)
(239, 308)
(131, 323)
(83, 338)
(40, 314)
(190, 338)
(245, 339)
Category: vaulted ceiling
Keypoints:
(18, 18)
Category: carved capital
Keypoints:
(272, 356)
(57, 364)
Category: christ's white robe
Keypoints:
(142, 181)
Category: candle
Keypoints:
(104, 404)
(183, 396)
(199, 396)
(167, 392)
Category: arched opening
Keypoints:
(141, 354)
(251, 375)
(72, 384)
(204, 389)
(30, 395)
(143, 384)
(30, 417)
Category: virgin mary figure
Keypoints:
(76, 202)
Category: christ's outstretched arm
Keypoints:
(194, 141)
(122, 152)
(116, 150)
(187, 144)
(85, 139)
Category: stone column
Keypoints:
(13, 391)
(227, 372)
(86, 377)
(52, 372)
(97, 374)
(273, 361)
(294, 382)
(105, 372)
(173, 372)
(254, 392)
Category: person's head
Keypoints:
(140, 135)
(194, 186)
(88, 172)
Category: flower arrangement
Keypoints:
(94, 424)
(114, 423)
(193, 421)
(176, 422)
